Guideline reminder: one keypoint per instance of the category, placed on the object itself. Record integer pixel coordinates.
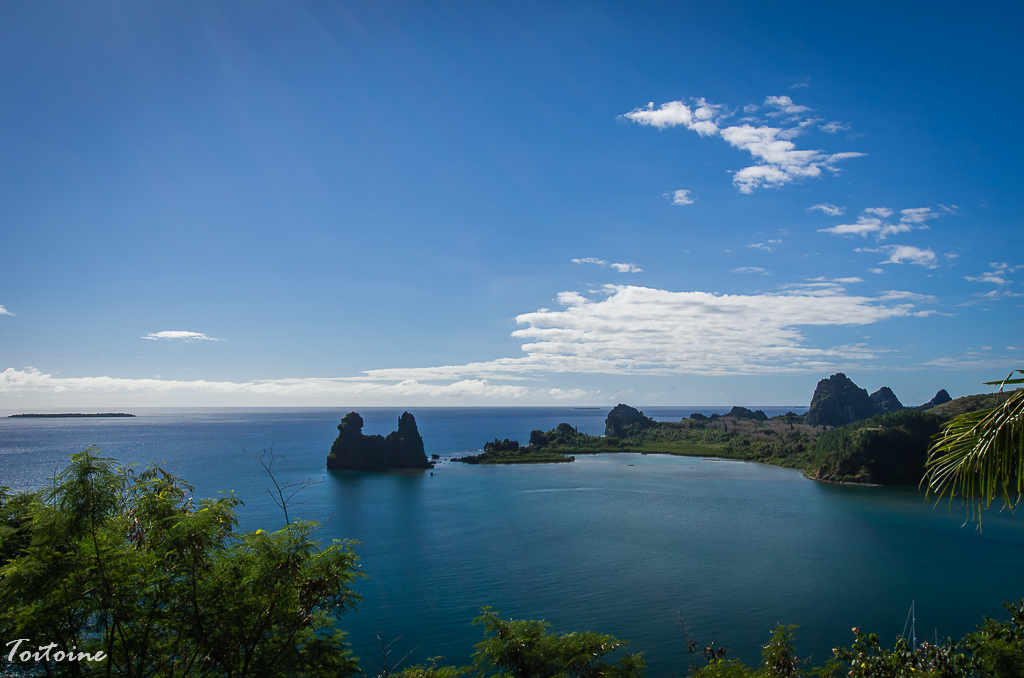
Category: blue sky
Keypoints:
(475, 203)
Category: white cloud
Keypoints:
(910, 219)
(917, 215)
(863, 227)
(828, 209)
(784, 106)
(759, 246)
(325, 390)
(988, 277)
(621, 268)
(4, 311)
(833, 127)
(179, 335)
(779, 161)
(639, 330)
(751, 269)
(680, 197)
(668, 115)
(997, 276)
(907, 254)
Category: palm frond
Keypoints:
(979, 456)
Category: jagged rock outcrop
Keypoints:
(837, 401)
(886, 401)
(745, 413)
(940, 398)
(624, 421)
(357, 452)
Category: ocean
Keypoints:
(624, 544)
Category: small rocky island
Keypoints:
(354, 451)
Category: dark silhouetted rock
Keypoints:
(940, 398)
(744, 413)
(886, 401)
(357, 452)
(838, 401)
(624, 421)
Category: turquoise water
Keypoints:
(620, 544)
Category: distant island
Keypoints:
(354, 451)
(846, 436)
(68, 415)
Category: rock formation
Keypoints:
(940, 398)
(885, 401)
(624, 421)
(837, 401)
(357, 452)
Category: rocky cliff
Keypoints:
(838, 401)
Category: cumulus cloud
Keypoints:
(179, 335)
(778, 160)
(784, 105)
(759, 246)
(830, 210)
(680, 197)
(621, 268)
(667, 115)
(907, 254)
(640, 330)
(4, 311)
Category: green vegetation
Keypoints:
(884, 443)
(126, 574)
(980, 455)
(527, 649)
(887, 449)
(130, 566)
(511, 452)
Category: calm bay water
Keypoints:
(620, 544)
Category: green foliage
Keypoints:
(980, 455)
(887, 449)
(779, 655)
(527, 649)
(131, 565)
(866, 658)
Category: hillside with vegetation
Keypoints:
(846, 436)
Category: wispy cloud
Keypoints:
(875, 221)
(751, 269)
(179, 335)
(997, 276)
(4, 311)
(833, 127)
(680, 197)
(828, 209)
(323, 390)
(621, 268)
(759, 246)
(778, 160)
